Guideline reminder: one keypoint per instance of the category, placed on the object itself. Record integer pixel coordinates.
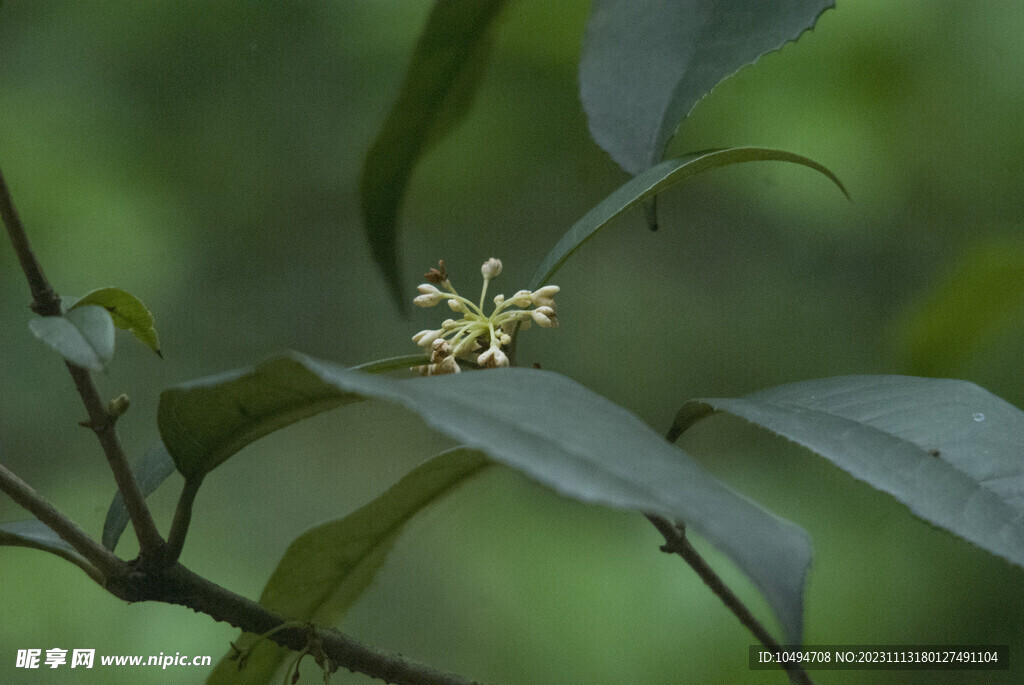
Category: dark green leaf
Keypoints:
(650, 183)
(156, 465)
(543, 424)
(328, 567)
(445, 72)
(83, 336)
(646, 63)
(205, 422)
(127, 311)
(152, 470)
(948, 449)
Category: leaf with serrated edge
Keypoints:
(84, 337)
(652, 182)
(445, 71)
(543, 424)
(646, 63)
(127, 311)
(328, 567)
(948, 449)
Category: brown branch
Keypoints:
(676, 543)
(46, 302)
(178, 585)
(96, 554)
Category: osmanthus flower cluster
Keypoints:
(475, 336)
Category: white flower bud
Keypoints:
(448, 324)
(499, 300)
(492, 358)
(522, 298)
(426, 338)
(544, 316)
(505, 339)
(456, 306)
(447, 365)
(428, 289)
(491, 268)
(544, 297)
(440, 349)
(427, 300)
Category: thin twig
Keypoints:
(182, 518)
(26, 496)
(46, 302)
(676, 543)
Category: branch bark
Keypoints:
(25, 495)
(46, 302)
(178, 585)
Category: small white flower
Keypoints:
(492, 358)
(544, 316)
(474, 330)
(447, 365)
(491, 268)
(426, 338)
(427, 300)
(544, 297)
(521, 298)
(440, 349)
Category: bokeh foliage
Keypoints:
(205, 156)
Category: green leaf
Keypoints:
(150, 471)
(446, 70)
(35, 534)
(948, 449)
(83, 336)
(543, 424)
(979, 299)
(127, 311)
(156, 465)
(653, 181)
(328, 567)
(645, 65)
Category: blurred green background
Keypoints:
(205, 156)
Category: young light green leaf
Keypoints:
(948, 449)
(446, 70)
(150, 471)
(328, 567)
(127, 312)
(646, 63)
(543, 424)
(653, 181)
(83, 336)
